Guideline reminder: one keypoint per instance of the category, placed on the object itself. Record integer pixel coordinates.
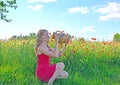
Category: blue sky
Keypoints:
(81, 18)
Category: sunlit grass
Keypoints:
(88, 63)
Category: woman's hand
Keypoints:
(56, 37)
(56, 44)
(62, 50)
(67, 40)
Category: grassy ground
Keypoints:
(88, 63)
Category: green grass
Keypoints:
(88, 63)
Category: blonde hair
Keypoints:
(38, 38)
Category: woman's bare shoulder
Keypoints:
(41, 48)
(45, 50)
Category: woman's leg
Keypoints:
(59, 69)
(63, 74)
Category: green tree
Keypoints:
(117, 37)
(32, 35)
(4, 5)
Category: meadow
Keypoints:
(88, 63)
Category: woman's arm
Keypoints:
(46, 51)
(63, 49)
(60, 53)
(56, 51)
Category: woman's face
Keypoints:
(45, 36)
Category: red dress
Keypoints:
(44, 70)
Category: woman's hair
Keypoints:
(38, 38)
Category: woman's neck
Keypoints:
(44, 43)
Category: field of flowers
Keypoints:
(88, 63)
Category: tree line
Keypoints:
(26, 37)
(116, 37)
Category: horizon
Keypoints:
(75, 37)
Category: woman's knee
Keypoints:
(60, 65)
(63, 74)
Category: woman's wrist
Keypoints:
(63, 48)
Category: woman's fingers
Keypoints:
(56, 37)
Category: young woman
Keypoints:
(44, 70)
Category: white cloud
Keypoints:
(110, 16)
(36, 7)
(30, 6)
(89, 29)
(83, 10)
(111, 11)
(48, 0)
(31, 1)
